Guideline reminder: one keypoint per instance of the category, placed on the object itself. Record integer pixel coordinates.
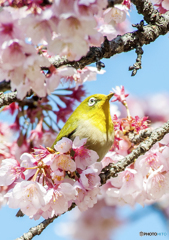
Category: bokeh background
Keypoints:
(151, 79)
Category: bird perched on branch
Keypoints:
(91, 120)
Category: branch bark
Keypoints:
(113, 169)
(124, 43)
(146, 8)
(158, 25)
(37, 230)
(8, 98)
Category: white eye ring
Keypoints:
(91, 101)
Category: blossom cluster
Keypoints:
(20, 135)
(32, 32)
(144, 181)
(46, 182)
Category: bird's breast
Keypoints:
(97, 140)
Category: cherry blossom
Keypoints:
(10, 170)
(28, 196)
(120, 94)
(64, 162)
(157, 184)
(83, 156)
(64, 145)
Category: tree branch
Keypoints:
(37, 230)
(8, 98)
(124, 43)
(112, 169)
(140, 136)
(146, 8)
(158, 25)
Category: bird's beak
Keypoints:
(109, 96)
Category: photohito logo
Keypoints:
(162, 234)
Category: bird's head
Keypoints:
(94, 104)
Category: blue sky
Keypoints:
(152, 78)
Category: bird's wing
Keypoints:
(67, 131)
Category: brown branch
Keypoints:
(158, 25)
(139, 137)
(124, 43)
(8, 98)
(37, 230)
(113, 169)
(146, 8)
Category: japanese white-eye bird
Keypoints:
(91, 120)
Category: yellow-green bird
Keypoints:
(91, 120)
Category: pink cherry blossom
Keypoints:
(74, 49)
(60, 198)
(89, 178)
(3, 200)
(9, 27)
(116, 14)
(64, 162)
(127, 3)
(86, 74)
(163, 3)
(77, 143)
(86, 199)
(58, 176)
(39, 27)
(10, 171)
(157, 184)
(29, 196)
(64, 145)
(126, 188)
(120, 94)
(152, 160)
(156, 1)
(83, 156)
(52, 82)
(12, 55)
(28, 161)
(105, 29)
(111, 157)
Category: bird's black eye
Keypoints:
(91, 101)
